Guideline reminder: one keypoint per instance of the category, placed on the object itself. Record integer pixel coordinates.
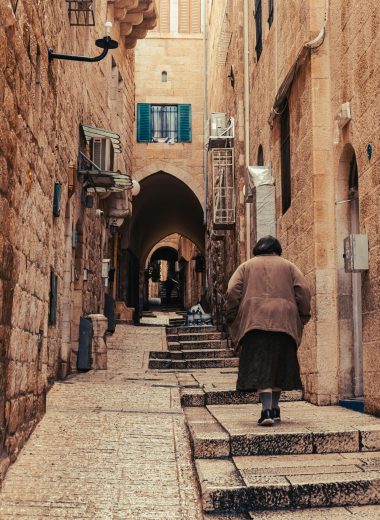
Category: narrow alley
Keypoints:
(189, 259)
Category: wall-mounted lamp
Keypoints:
(106, 43)
(135, 188)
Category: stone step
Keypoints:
(193, 396)
(332, 513)
(195, 337)
(289, 481)
(229, 431)
(192, 354)
(193, 363)
(198, 345)
(192, 329)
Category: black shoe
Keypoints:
(266, 418)
(276, 414)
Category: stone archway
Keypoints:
(165, 205)
(349, 284)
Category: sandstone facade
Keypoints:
(42, 106)
(313, 60)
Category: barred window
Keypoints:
(270, 12)
(164, 122)
(285, 159)
(259, 28)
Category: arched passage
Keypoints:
(165, 205)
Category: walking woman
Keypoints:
(268, 303)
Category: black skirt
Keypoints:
(268, 359)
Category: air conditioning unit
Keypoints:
(217, 124)
(102, 153)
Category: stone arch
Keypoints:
(349, 284)
(182, 174)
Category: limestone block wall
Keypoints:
(41, 108)
(355, 73)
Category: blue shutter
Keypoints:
(57, 199)
(144, 128)
(53, 298)
(184, 123)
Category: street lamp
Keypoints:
(106, 43)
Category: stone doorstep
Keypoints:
(227, 432)
(203, 396)
(301, 481)
(193, 363)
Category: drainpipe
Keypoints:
(246, 124)
(205, 117)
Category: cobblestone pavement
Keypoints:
(112, 445)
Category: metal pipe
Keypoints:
(246, 123)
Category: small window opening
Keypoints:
(259, 29)
(164, 76)
(285, 159)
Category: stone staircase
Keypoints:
(316, 457)
(193, 348)
(317, 463)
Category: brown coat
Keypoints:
(267, 293)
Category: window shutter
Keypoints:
(144, 129)
(195, 16)
(184, 123)
(164, 16)
(53, 298)
(184, 16)
(57, 199)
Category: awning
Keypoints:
(101, 181)
(91, 131)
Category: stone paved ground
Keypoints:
(113, 445)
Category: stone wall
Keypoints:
(41, 108)
(226, 249)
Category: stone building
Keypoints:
(311, 73)
(58, 209)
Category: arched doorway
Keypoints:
(165, 206)
(349, 284)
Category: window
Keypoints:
(259, 35)
(285, 159)
(260, 156)
(163, 123)
(189, 16)
(270, 12)
(164, 76)
(52, 319)
(163, 22)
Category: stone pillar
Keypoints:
(99, 346)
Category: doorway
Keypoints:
(349, 284)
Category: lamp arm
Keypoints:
(105, 43)
(56, 56)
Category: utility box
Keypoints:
(356, 253)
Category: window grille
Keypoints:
(223, 188)
(164, 122)
(81, 12)
(259, 29)
(285, 160)
(271, 12)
